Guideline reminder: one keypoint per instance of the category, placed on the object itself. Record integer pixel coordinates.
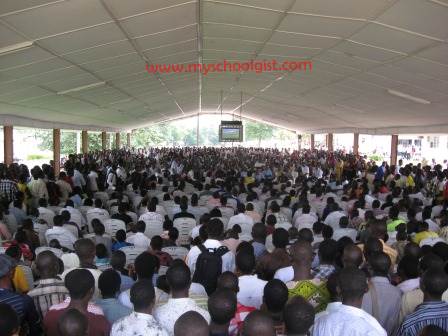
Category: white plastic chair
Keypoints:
(184, 225)
(57, 252)
(47, 217)
(283, 225)
(113, 210)
(176, 252)
(153, 228)
(91, 216)
(131, 253)
(113, 225)
(227, 212)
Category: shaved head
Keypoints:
(258, 323)
(191, 323)
(352, 256)
(47, 264)
(301, 252)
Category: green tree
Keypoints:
(45, 139)
(95, 143)
(258, 131)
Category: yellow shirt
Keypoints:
(423, 235)
(19, 281)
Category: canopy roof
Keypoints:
(367, 55)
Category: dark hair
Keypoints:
(434, 282)
(352, 283)
(215, 228)
(9, 320)
(328, 251)
(118, 259)
(408, 266)
(101, 251)
(191, 323)
(156, 243)
(140, 226)
(146, 264)
(109, 283)
(298, 315)
(178, 276)
(79, 283)
(327, 232)
(142, 294)
(120, 235)
(275, 295)
(379, 263)
(245, 261)
(280, 238)
(222, 306)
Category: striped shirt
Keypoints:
(48, 293)
(427, 313)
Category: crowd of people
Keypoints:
(223, 241)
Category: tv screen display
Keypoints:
(230, 133)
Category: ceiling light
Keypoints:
(80, 88)
(408, 97)
(16, 47)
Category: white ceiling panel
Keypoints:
(366, 51)
(219, 30)
(9, 6)
(123, 9)
(167, 37)
(436, 54)
(58, 18)
(100, 52)
(303, 40)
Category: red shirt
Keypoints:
(98, 325)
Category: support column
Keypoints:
(393, 149)
(103, 140)
(312, 141)
(56, 151)
(330, 142)
(84, 142)
(8, 149)
(117, 140)
(128, 140)
(299, 141)
(355, 143)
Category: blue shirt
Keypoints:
(126, 282)
(113, 310)
(427, 313)
(118, 245)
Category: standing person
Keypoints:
(349, 319)
(81, 286)
(140, 322)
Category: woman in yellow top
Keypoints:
(423, 233)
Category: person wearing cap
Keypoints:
(22, 304)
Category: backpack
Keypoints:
(209, 267)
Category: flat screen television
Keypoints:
(231, 131)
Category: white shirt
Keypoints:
(331, 307)
(93, 181)
(347, 232)
(78, 179)
(333, 219)
(151, 216)
(347, 321)
(228, 259)
(409, 285)
(305, 221)
(137, 324)
(244, 221)
(251, 291)
(285, 274)
(64, 236)
(139, 240)
(168, 314)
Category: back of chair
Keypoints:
(47, 217)
(92, 215)
(153, 228)
(113, 225)
(131, 253)
(176, 252)
(57, 252)
(185, 226)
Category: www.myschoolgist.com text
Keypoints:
(227, 66)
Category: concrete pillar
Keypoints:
(312, 141)
(330, 142)
(355, 143)
(104, 140)
(299, 141)
(117, 140)
(57, 151)
(8, 141)
(393, 149)
(84, 142)
(128, 140)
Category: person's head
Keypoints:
(298, 316)
(14, 252)
(156, 243)
(118, 260)
(305, 234)
(328, 251)
(173, 234)
(372, 245)
(413, 249)
(352, 256)
(98, 203)
(47, 265)
(275, 295)
(343, 222)
(140, 226)
(432, 330)
(280, 238)
(327, 232)
(58, 220)
(379, 264)
(191, 323)
(271, 220)
(215, 229)
(85, 249)
(146, 264)
(109, 283)
(228, 280)
(142, 296)
(120, 236)
(408, 267)
(378, 229)
(80, 284)
(259, 232)
(9, 321)
(179, 278)
(433, 283)
(301, 253)
(245, 262)
(98, 227)
(352, 285)
(258, 323)
(428, 261)
(222, 306)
